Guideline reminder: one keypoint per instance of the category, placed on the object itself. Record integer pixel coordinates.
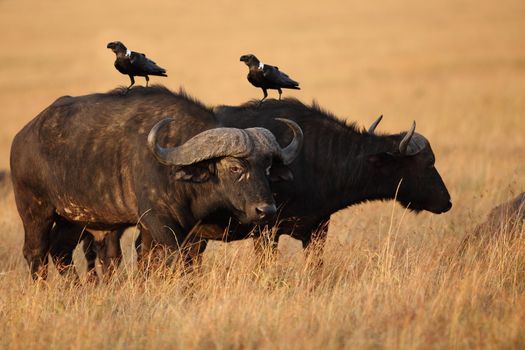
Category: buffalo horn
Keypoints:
(406, 140)
(212, 143)
(290, 152)
(372, 128)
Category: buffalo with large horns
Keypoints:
(104, 162)
(338, 166)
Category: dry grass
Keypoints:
(392, 290)
(391, 279)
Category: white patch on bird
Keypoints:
(268, 171)
(261, 65)
(128, 53)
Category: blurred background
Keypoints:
(456, 67)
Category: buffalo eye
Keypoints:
(236, 169)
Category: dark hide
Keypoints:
(85, 160)
(339, 166)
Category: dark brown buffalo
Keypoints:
(96, 161)
(339, 165)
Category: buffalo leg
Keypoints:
(150, 255)
(37, 218)
(265, 246)
(280, 93)
(88, 246)
(194, 250)
(314, 243)
(64, 239)
(147, 80)
(113, 252)
(108, 251)
(143, 247)
(138, 247)
(170, 238)
(162, 240)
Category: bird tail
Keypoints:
(161, 72)
(290, 83)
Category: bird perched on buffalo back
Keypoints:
(267, 77)
(134, 63)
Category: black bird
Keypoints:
(134, 63)
(267, 77)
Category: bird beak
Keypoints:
(110, 46)
(243, 58)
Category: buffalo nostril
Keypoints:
(264, 211)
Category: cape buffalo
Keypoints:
(95, 160)
(338, 166)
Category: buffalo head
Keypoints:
(236, 161)
(409, 163)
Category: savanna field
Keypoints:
(391, 279)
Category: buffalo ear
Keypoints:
(280, 172)
(195, 172)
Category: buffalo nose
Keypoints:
(265, 211)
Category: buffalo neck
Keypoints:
(198, 199)
(344, 174)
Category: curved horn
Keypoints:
(160, 153)
(372, 128)
(290, 152)
(212, 143)
(406, 140)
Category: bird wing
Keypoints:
(141, 62)
(275, 76)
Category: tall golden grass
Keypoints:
(401, 288)
(391, 279)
